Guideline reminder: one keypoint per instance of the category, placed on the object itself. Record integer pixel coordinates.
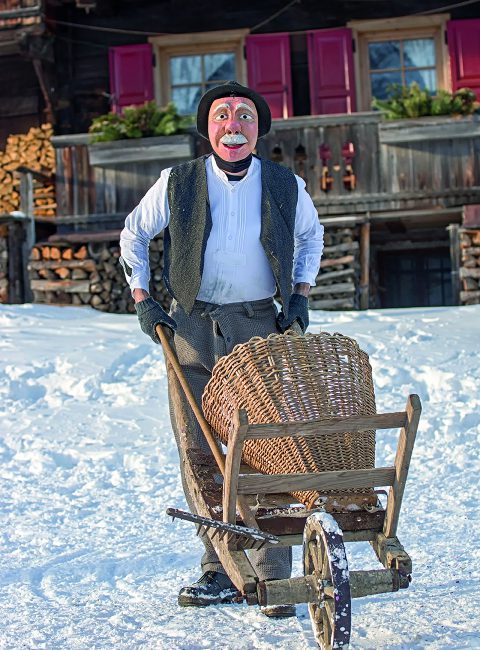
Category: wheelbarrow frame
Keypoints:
(240, 490)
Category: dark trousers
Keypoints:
(208, 333)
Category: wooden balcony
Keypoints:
(369, 166)
(429, 163)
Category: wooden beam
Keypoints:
(391, 553)
(25, 12)
(338, 480)
(232, 466)
(310, 428)
(84, 237)
(86, 265)
(364, 265)
(235, 563)
(453, 231)
(376, 581)
(68, 286)
(406, 442)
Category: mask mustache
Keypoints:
(237, 138)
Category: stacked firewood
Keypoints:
(335, 288)
(89, 273)
(35, 151)
(3, 263)
(470, 267)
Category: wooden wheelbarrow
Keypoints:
(240, 509)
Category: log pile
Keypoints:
(35, 151)
(3, 263)
(75, 272)
(335, 288)
(470, 266)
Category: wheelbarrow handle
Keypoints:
(170, 353)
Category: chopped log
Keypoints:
(470, 273)
(333, 303)
(81, 254)
(341, 287)
(62, 273)
(334, 275)
(470, 296)
(347, 259)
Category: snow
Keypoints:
(89, 559)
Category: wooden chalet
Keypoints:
(397, 198)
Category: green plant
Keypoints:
(138, 122)
(413, 101)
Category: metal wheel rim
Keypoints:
(331, 618)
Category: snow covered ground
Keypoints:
(88, 558)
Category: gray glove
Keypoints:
(297, 311)
(150, 314)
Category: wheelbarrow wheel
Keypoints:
(324, 557)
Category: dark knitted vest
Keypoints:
(191, 222)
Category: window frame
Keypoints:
(410, 27)
(170, 45)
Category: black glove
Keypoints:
(297, 310)
(150, 314)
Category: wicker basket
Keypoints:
(287, 377)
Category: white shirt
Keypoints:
(236, 268)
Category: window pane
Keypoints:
(186, 99)
(384, 54)
(424, 78)
(419, 52)
(185, 70)
(219, 66)
(381, 82)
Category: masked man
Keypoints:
(236, 229)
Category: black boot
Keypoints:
(213, 588)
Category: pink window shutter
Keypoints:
(131, 75)
(269, 71)
(464, 48)
(330, 66)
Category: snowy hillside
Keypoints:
(88, 558)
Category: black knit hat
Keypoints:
(233, 89)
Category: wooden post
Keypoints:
(232, 466)
(402, 461)
(16, 287)
(27, 207)
(453, 231)
(364, 264)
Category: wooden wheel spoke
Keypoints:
(313, 550)
(327, 628)
(326, 573)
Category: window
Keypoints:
(399, 51)
(189, 64)
(401, 62)
(191, 76)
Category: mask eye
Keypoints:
(221, 116)
(247, 117)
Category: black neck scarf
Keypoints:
(232, 167)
